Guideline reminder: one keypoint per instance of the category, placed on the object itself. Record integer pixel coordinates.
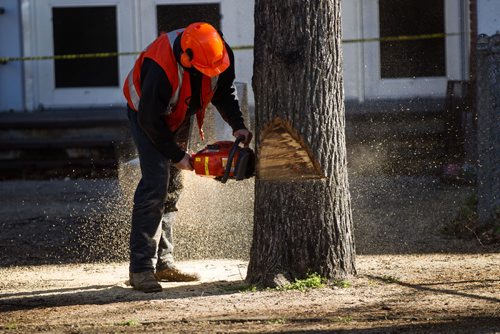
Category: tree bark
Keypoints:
(302, 220)
(488, 129)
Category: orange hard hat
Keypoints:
(207, 51)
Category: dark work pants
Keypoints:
(155, 202)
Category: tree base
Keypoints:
(302, 236)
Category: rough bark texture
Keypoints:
(488, 128)
(301, 225)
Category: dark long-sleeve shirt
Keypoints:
(157, 91)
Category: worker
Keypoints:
(173, 79)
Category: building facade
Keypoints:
(376, 66)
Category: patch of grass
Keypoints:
(129, 323)
(466, 224)
(466, 218)
(390, 279)
(249, 288)
(11, 326)
(312, 281)
(468, 209)
(340, 283)
(279, 321)
(496, 229)
(340, 319)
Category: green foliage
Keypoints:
(496, 222)
(390, 279)
(468, 211)
(466, 218)
(248, 288)
(312, 281)
(11, 326)
(129, 323)
(279, 321)
(497, 229)
(466, 224)
(341, 319)
(471, 200)
(341, 284)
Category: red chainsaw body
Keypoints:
(211, 161)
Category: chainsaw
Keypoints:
(224, 159)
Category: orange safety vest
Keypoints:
(161, 52)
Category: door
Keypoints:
(410, 68)
(158, 16)
(61, 27)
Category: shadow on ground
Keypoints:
(468, 325)
(109, 294)
(363, 316)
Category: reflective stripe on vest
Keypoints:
(175, 96)
(180, 71)
(134, 96)
(213, 82)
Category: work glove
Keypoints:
(245, 133)
(185, 163)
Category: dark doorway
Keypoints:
(84, 30)
(412, 58)
(172, 17)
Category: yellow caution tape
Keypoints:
(4, 60)
(400, 38)
(242, 47)
(67, 57)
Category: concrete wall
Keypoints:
(11, 74)
(488, 16)
(354, 70)
(237, 27)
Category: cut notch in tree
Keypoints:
(284, 156)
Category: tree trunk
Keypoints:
(303, 220)
(488, 129)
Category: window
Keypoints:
(415, 58)
(172, 17)
(83, 30)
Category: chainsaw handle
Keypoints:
(238, 140)
(229, 162)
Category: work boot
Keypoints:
(145, 281)
(175, 275)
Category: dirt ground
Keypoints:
(63, 250)
(392, 294)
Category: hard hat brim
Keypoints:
(216, 70)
